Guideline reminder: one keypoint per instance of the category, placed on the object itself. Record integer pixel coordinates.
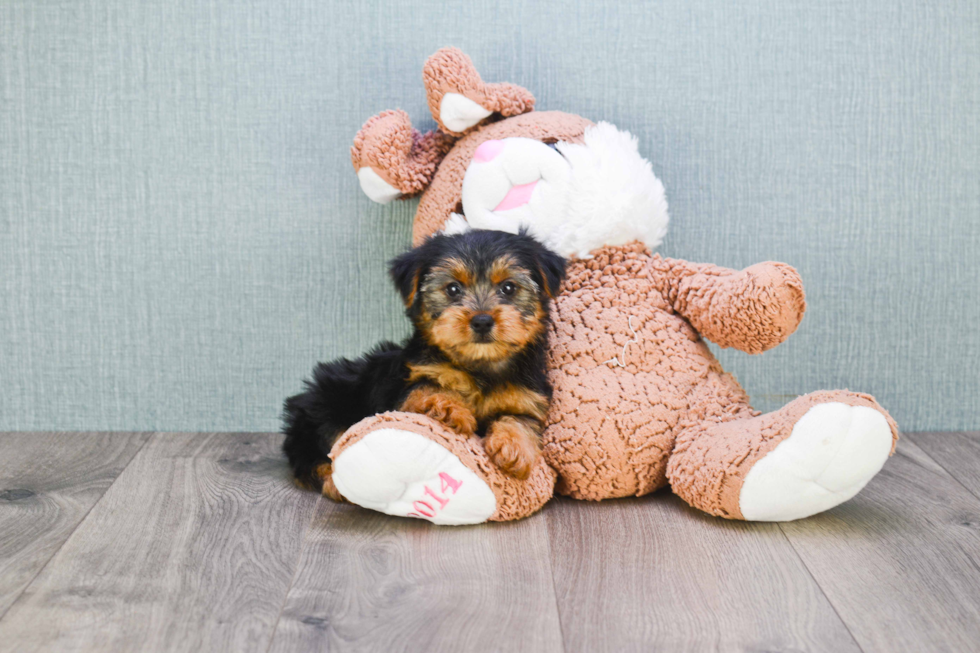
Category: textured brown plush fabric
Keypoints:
(515, 499)
(752, 310)
(402, 156)
(630, 372)
(639, 400)
(451, 71)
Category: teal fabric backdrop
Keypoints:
(182, 236)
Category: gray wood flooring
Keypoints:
(198, 542)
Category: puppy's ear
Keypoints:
(552, 269)
(405, 271)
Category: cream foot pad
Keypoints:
(409, 465)
(402, 473)
(832, 453)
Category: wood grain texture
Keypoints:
(201, 544)
(653, 574)
(191, 549)
(901, 561)
(368, 582)
(48, 484)
(957, 452)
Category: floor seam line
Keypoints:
(809, 573)
(292, 580)
(554, 587)
(88, 512)
(940, 465)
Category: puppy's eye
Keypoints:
(508, 288)
(454, 289)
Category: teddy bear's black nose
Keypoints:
(481, 323)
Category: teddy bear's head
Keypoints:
(494, 163)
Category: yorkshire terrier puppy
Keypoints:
(475, 361)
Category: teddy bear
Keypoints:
(640, 402)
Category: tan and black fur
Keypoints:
(479, 303)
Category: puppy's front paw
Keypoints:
(454, 415)
(512, 446)
(442, 408)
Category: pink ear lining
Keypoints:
(517, 196)
(488, 151)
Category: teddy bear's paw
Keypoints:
(402, 473)
(830, 455)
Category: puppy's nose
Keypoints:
(481, 323)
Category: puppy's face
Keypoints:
(481, 310)
(480, 297)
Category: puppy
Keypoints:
(479, 303)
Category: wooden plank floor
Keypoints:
(198, 542)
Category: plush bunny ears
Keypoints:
(459, 100)
(394, 160)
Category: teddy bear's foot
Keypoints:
(830, 455)
(409, 465)
(813, 454)
(402, 473)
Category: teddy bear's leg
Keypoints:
(815, 453)
(409, 465)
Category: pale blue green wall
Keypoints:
(182, 236)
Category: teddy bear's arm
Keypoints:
(752, 310)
